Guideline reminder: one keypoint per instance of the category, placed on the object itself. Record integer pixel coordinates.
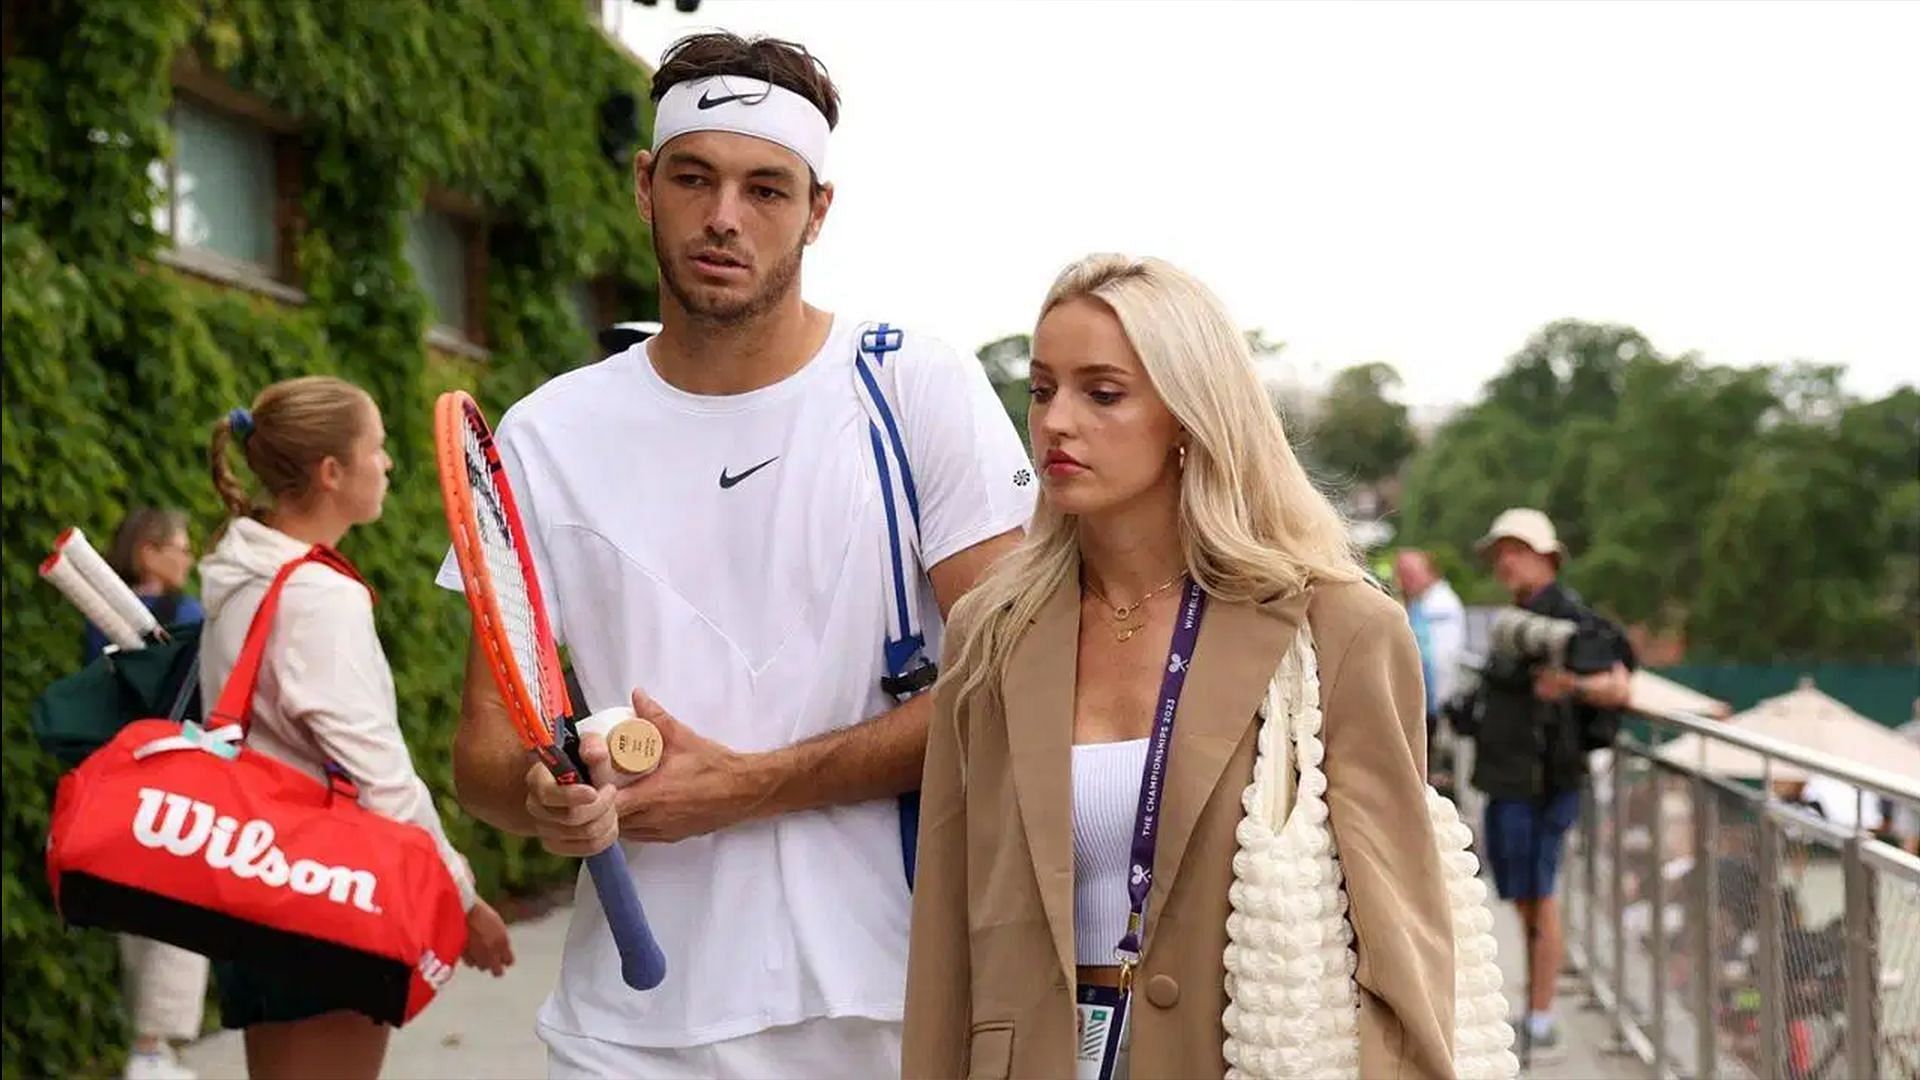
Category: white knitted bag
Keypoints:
(1292, 1005)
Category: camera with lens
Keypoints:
(1520, 641)
(1583, 647)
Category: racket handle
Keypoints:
(642, 964)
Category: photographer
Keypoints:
(1555, 675)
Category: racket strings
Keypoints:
(510, 586)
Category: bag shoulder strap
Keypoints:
(909, 669)
(1276, 768)
(189, 691)
(234, 705)
(1279, 758)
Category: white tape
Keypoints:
(60, 572)
(106, 584)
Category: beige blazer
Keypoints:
(991, 972)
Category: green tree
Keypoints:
(1569, 368)
(1886, 435)
(1761, 510)
(1814, 550)
(1679, 432)
(1361, 434)
(1528, 441)
(1005, 360)
(1808, 393)
(1795, 557)
(1480, 462)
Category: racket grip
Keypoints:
(642, 965)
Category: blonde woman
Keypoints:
(1066, 827)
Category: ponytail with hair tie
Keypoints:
(233, 430)
(240, 422)
(300, 423)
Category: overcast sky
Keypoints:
(1423, 184)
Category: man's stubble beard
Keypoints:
(780, 281)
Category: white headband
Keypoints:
(744, 106)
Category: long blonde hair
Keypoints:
(1252, 524)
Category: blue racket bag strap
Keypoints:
(909, 670)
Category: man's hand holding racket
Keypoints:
(576, 820)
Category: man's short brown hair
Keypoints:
(785, 64)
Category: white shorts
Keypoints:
(165, 987)
(853, 1048)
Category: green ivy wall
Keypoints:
(115, 366)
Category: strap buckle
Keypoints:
(880, 341)
(910, 683)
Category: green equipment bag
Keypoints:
(84, 711)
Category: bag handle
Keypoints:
(1293, 690)
(1276, 757)
(1284, 773)
(236, 698)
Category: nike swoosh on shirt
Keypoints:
(728, 481)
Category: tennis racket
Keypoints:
(510, 623)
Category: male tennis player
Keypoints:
(712, 542)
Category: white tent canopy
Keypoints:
(1805, 717)
(1652, 693)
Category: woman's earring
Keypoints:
(1183, 455)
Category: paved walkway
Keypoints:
(483, 1027)
(1588, 1033)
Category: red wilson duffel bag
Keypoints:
(183, 834)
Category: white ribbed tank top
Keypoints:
(1106, 796)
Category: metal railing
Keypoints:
(1729, 931)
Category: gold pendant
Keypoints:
(1126, 633)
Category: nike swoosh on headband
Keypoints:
(707, 102)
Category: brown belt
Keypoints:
(1106, 975)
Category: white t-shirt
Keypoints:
(1446, 638)
(725, 554)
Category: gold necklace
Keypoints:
(1120, 613)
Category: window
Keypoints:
(437, 248)
(217, 193)
(446, 246)
(227, 199)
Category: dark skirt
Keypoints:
(252, 995)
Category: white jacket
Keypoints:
(325, 691)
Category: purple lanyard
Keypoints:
(1146, 822)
